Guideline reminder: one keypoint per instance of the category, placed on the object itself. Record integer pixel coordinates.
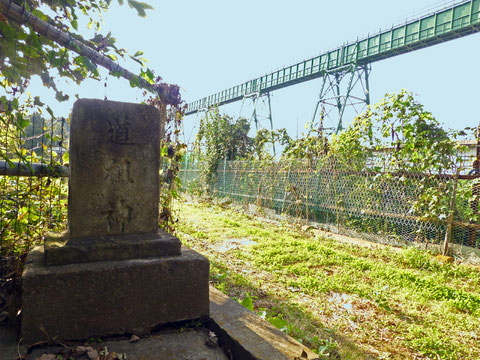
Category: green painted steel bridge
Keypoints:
(457, 20)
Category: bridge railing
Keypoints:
(445, 24)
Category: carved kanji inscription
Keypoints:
(114, 161)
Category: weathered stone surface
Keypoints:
(9, 345)
(114, 186)
(79, 301)
(114, 168)
(60, 251)
(181, 344)
(113, 271)
(248, 336)
(243, 333)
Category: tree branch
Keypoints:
(18, 14)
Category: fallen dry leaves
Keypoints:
(80, 351)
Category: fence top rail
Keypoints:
(246, 166)
(33, 170)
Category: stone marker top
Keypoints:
(113, 192)
(114, 169)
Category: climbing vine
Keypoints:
(172, 152)
(404, 138)
(219, 137)
(29, 128)
(393, 165)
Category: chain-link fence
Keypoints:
(40, 44)
(384, 207)
(33, 190)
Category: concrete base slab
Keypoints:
(241, 334)
(187, 344)
(104, 298)
(9, 348)
(247, 336)
(61, 250)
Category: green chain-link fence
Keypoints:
(384, 207)
(33, 187)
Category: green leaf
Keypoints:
(139, 61)
(49, 110)
(323, 349)
(14, 103)
(164, 151)
(148, 76)
(74, 23)
(19, 227)
(134, 82)
(138, 53)
(8, 32)
(22, 123)
(85, 62)
(140, 7)
(61, 97)
(37, 101)
(7, 159)
(66, 157)
(277, 322)
(248, 303)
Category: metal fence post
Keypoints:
(285, 186)
(448, 232)
(224, 175)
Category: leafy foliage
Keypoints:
(407, 139)
(32, 206)
(220, 137)
(29, 206)
(392, 172)
(394, 137)
(408, 136)
(172, 151)
(264, 143)
(312, 145)
(25, 53)
(137, 5)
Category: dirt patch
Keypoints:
(230, 244)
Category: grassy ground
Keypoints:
(337, 298)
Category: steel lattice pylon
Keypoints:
(345, 65)
(256, 98)
(341, 89)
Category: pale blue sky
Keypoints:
(208, 46)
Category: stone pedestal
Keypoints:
(61, 250)
(113, 271)
(80, 301)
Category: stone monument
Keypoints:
(113, 271)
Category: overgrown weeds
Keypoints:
(392, 304)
